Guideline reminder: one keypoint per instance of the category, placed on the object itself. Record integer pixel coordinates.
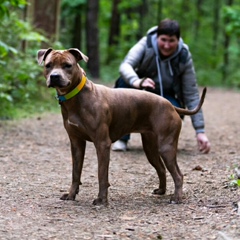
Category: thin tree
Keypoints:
(77, 27)
(92, 38)
(143, 11)
(159, 10)
(216, 20)
(226, 45)
(197, 21)
(114, 33)
(46, 16)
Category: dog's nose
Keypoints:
(54, 79)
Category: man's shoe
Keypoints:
(119, 146)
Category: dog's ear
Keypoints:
(78, 54)
(42, 54)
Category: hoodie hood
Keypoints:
(152, 32)
(156, 50)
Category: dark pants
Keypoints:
(120, 83)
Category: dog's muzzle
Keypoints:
(56, 80)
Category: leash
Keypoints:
(74, 92)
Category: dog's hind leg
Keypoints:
(150, 148)
(168, 152)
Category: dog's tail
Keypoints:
(183, 111)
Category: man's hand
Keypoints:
(203, 143)
(144, 83)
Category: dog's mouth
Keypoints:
(58, 85)
(56, 81)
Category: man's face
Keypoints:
(167, 44)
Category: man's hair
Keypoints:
(169, 27)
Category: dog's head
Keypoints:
(61, 68)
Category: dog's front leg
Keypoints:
(103, 154)
(78, 152)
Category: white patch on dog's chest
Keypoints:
(72, 124)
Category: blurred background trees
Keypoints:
(105, 30)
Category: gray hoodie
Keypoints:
(174, 75)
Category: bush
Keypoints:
(21, 76)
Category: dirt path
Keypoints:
(35, 170)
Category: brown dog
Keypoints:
(103, 115)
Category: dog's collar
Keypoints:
(74, 92)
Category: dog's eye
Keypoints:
(48, 65)
(67, 65)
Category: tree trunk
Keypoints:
(216, 20)
(45, 16)
(130, 11)
(226, 45)
(77, 29)
(92, 38)
(143, 11)
(198, 18)
(159, 11)
(114, 33)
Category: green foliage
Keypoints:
(6, 5)
(19, 69)
(234, 178)
(21, 76)
(69, 11)
(129, 31)
(234, 182)
(72, 4)
(231, 16)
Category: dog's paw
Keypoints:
(100, 201)
(67, 196)
(175, 200)
(159, 191)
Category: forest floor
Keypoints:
(35, 170)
